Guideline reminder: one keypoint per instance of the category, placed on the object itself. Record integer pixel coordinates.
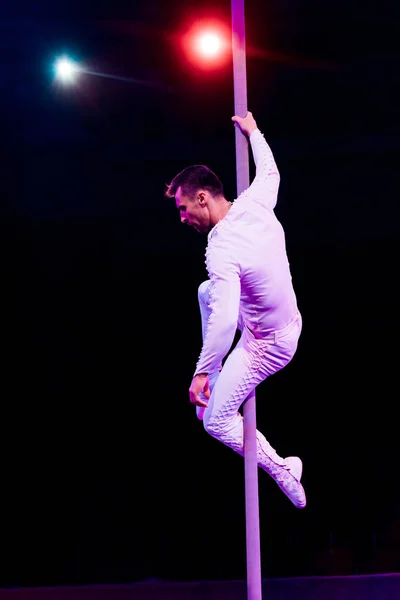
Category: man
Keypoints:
(250, 289)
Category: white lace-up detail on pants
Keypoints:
(249, 363)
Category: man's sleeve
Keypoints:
(264, 187)
(224, 304)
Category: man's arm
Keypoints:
(266, 182)
(225, 300)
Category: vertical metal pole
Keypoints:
(249, 409)
(254, 587)
(240, 92)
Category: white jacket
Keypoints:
(247, 265)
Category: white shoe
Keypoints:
(285, 471)
(288, 479)
(295, 466)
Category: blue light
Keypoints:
(66, 70)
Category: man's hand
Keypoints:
(246, 124)
(199, 384)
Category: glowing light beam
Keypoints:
(66, 70)
(206, 44)
(209, 44)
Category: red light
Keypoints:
(209, 44)
(206, 45)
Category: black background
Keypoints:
(107, 475)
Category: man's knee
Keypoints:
(210, 424)
(204, 292)
(200, 412)
(220, 426)
(215, 426)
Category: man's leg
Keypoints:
(249, 363)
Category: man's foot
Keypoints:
(288, 479)
(295, 466)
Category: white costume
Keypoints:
(250, 288)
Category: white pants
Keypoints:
(250, 362)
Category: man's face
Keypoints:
(193, 212)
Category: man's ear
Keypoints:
(201, 197)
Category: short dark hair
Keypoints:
(195, 178)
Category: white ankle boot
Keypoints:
(285, 471)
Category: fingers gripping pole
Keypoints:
(249, 409)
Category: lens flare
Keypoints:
(66, 70)
(210, 44)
